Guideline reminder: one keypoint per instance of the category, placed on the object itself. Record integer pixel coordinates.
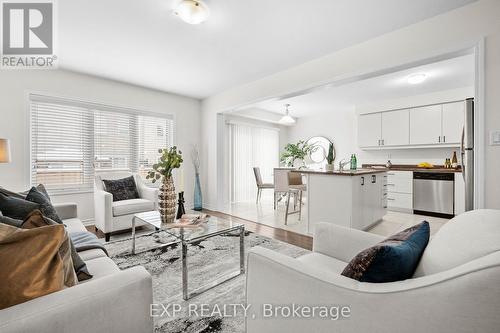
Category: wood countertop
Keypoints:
(358, 172)
(408, 167)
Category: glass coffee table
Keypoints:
(187, 235)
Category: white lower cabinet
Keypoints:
(400, 191)
(351, 201)
(399, 201)
(368, 200)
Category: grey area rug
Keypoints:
(207, 260)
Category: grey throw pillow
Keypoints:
(11, 193)
(15, 207)
(45, 205)
(10, 221)
(122, 189)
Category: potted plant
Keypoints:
(170, 159)
(295, 152)
(330, 158)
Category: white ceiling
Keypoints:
(143, 43)
(444, 75)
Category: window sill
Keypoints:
(57, 193)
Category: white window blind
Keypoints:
(251, 146)
(72, 140)
(61, 146)
(153, 134)
(114, 140)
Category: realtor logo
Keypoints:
(28, 34)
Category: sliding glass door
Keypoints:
(251, 146)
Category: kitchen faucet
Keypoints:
(343, 163)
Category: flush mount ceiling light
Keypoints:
(287, 119)
(417, 78)
(192, 11)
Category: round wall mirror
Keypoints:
(317, 156)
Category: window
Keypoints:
(72, 141)
(251, 146)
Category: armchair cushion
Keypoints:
(121, 189)
(394, 259)
(132, 206)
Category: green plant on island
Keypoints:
(294, 152)
(330, 156)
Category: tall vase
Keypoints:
(197, 194)
(167, 200)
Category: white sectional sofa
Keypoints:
(454, 289)
(112, 301)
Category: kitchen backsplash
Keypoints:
(406, 156)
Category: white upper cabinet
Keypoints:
(434, 125)
(453, 122)
(425, 125)
(369, 130)
(396, 128)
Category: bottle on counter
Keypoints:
(354, 162)
(454, 160)
(447, 164)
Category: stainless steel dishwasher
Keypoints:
(433, 193)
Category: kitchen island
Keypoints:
(352, 198)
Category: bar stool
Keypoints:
(295, 187)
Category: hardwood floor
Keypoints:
(290, 237)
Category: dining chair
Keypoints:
(260, 185)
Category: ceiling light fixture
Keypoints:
(287, 119)
(192, 11)
(417, 78)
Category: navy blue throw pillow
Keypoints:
(393, 259)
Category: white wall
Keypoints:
(337, 125)
(417, 100)
(16, 84)
(457, 29)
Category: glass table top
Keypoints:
(213, 226)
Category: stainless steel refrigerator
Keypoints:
(467, 154)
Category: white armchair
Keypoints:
(114, 216)
(455, 287)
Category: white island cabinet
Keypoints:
(354, 199)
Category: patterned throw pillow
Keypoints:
(121, 189)
(393, 259)
(45, 206)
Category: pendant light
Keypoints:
(287, 119)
